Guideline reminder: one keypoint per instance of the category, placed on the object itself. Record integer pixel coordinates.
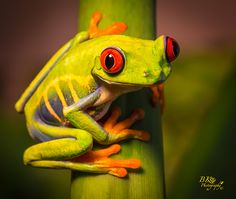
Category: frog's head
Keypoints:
(127, 61)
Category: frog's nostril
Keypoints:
(172, 49)
(146, 74)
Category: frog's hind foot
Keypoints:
(100, 162)
(120, 130)
(94, 162)
(94, 31)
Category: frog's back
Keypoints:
(20, 104)
(53, 63)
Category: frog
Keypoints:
(66, 101)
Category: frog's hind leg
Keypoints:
(65, 143)
(94, 162)
(58, 149)
(71, 148)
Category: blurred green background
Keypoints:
(199, 120)
(199, 124)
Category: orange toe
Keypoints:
(94, 31)
(145, 136)
(111, 163)
(119, 172)
(138, 114)
(115, 148)
(97, 16)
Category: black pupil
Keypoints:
(175, 48)
(109, 61)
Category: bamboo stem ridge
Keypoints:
(148, 182)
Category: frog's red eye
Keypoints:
(112, 60)
(172, 49)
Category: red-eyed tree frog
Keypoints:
(75, 89)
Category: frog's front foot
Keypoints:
(120, 130)
(94, 31)
(158, 96)
(101, 163)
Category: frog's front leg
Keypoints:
(120, 130)
(158, 96)
(112, 132)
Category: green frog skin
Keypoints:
(74, 90)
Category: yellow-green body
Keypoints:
(72, 92)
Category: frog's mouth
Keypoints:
(134, 85)
(109, 90)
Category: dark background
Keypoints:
(198, 124)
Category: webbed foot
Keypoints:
(101, 163)
(94, 31)
(120, 130)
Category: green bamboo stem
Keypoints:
(148, 182)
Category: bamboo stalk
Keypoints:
(148, 182)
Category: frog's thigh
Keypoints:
(69, 143)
